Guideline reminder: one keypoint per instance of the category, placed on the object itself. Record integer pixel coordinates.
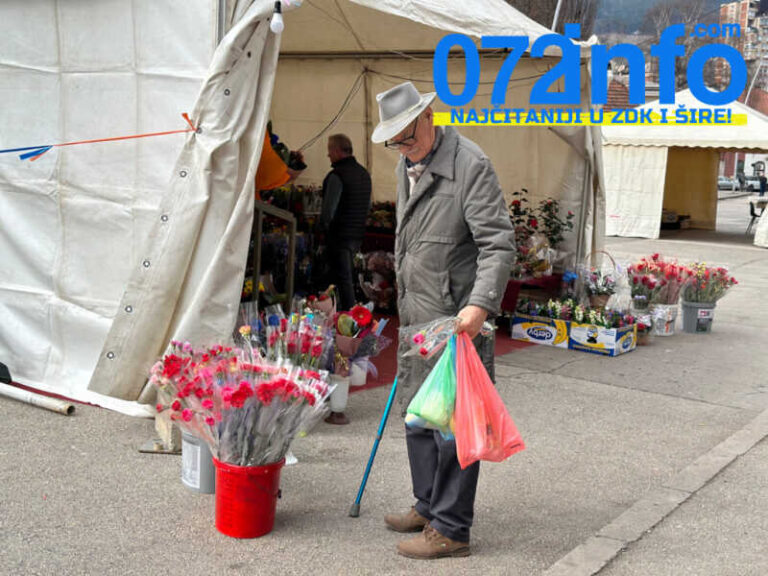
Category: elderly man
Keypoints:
(454, 251)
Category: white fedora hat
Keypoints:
(398, 107)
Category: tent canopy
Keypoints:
(752, 136)
(137, 243)
(652, 168)
(326, 26)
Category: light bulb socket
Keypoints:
(277, 24)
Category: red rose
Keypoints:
(361, 315)
(176, 405)
(159, 408)
(323, 297)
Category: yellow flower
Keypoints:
(245, 330)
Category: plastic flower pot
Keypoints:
(698, 316)
(644, 337)
(197, 471)
(246, 498)
(664, 319)
(358, 372)
(340, 394)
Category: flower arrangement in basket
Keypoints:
(247, 412)
(707, 284)
(538, 233)
(600, 282)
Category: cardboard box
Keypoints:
(574, 336)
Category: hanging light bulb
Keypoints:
(277, 25)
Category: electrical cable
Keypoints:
(344, 107)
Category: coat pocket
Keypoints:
(426, 272)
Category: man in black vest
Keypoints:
(346, 201)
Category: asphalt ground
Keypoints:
(601, 486)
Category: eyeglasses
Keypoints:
(404, 141)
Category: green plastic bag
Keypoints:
(434, 403)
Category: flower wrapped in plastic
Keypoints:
(247, 412)
(358, 338)
(666, 277)
(430, 338)
(707, 283)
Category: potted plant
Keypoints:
(705, 286)
(538, 233)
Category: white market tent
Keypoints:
(104, 259)
(650, 168)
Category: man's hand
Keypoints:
(472, 318)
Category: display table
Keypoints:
(544, 287)
(376, 239)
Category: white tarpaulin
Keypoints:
(634, 176)
(72, 223)
(103, 259)
(637, 174)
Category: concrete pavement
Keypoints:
(602, 434)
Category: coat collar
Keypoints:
(442, 164)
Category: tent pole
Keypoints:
(752, 84)
(368, 148)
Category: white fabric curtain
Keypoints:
(634, 189)
(186, 284)
(72, 221)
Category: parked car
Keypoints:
(752, 183)
(726, 183)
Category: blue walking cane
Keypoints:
(354, 512)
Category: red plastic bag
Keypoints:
(484, 429)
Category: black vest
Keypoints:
(349, 221)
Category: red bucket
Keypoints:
(246, 498)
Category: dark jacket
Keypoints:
(347, 224)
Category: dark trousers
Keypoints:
(342, 271)
(444, 492)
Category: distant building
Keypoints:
(752, 17)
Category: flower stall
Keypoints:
(539, 232)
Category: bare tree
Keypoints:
(582, 12)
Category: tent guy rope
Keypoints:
(32, 153)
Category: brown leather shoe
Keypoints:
(411, 521)
(430, 544)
